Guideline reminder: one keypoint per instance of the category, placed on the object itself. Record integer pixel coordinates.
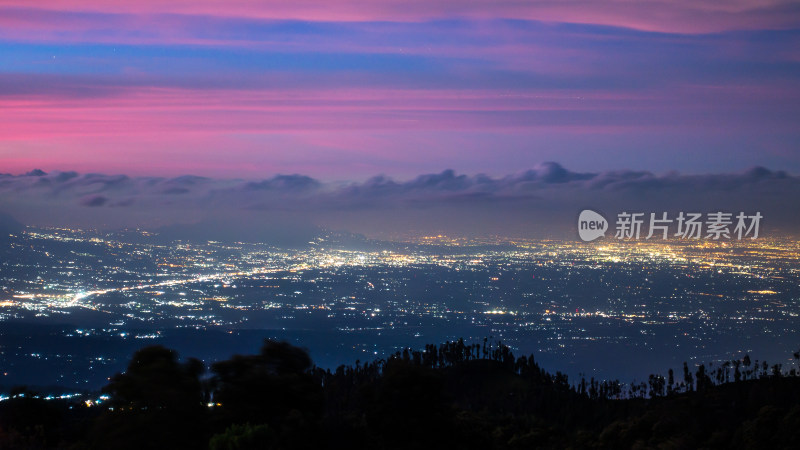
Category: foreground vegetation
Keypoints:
(453, 395)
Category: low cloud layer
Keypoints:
(541, 201)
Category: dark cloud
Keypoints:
(94, 200)
(36, 173)
(545, 197)
(552, 172)
(175, 191)
(124, 203)
(285, 183)
(65, 176)
(188, 180)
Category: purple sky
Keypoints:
(342, 91)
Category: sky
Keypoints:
(459, 111)
(346, 90)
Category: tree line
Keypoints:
(455, 394)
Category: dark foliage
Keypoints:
(455, 395)
(157, 402)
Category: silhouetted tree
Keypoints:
(157, 402)
(453, 395)
(264, 388)
(746, 364)
(671, 381)
(155, 379)
(244, 437)
(656, 383)
(703, 381)
(687, 377)
(29, 422)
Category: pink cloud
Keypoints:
(364, 130)
(681, 16)
(143, 111)
(149, 111)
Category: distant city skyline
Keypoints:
(608, 308)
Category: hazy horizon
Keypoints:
(543, 201)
